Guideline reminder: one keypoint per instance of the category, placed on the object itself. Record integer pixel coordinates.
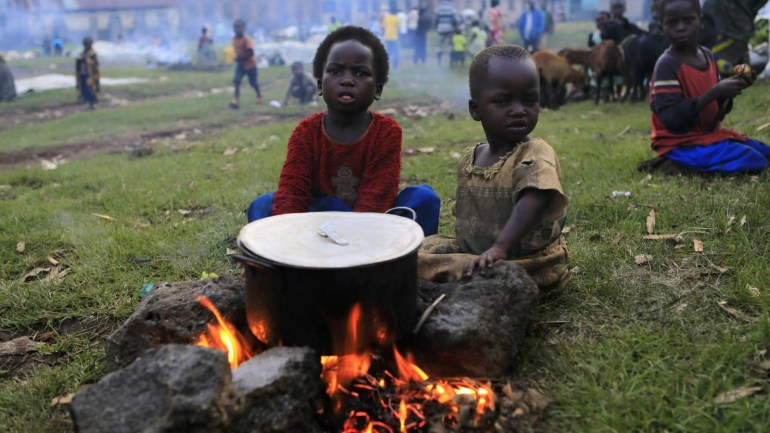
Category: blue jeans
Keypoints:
(728, 156)
(421, 199)
(251, 74)
(391, 46)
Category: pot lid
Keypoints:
(329, 240)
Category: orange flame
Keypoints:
(223, 336)
(402, 413)
(407, 369)
(341, 370)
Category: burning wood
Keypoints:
(366, 396)
(224, 336)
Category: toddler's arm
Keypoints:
(526, 213)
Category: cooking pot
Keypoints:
(305, 272)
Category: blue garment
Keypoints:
(421, 199)
(538, 25)
(728, 156)
(391, 47)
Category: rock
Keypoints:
(281, 389)
(477, 328)
(171, 389)
(172, 314)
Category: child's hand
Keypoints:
(745, 72)
(484, 261)
(730, 87)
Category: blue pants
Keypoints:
(421, 198)
(391, 47)
(251, 74)
(728, 156)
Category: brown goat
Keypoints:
(555, 73)
(605, 60)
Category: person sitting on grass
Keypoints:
(688, 102)
(245, 63)
(509, 200)
(301, 86)
(347, 158)
(87, 70)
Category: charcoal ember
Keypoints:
(476, 330)
(171, 313)
(171, 389)
(282, 392)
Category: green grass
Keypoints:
(626, 347)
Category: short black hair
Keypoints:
(358, 34)
(239, 22)
(479, 69)
(663, 3)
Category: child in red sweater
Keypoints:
(347, 158)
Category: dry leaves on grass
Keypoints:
(19, 346)
(62, 400)
(106, 217)
(20, 246)
(736, 394)
(733, 312)
(52, 273)
(675, 237)
(419, 151)
(651, 222)
(744, 220)
(617, 238)
(642, 259)
(753, 291)
(697, 246)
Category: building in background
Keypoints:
(25, 23)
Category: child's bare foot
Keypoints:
(260, 100)
(234, 105)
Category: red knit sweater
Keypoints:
(364, 174)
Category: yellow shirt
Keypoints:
(459, 42)
(391, 24)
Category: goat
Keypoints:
(604, 60)
(556, 73)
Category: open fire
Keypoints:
(372, 394)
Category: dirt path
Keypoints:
(142, 143)
(138, 144)
(12, 118)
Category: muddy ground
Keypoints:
(142, 143)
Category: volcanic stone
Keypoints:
(171, 313)
(282, 391)
(171, 389)
(477, 328)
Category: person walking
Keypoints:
(531, 25)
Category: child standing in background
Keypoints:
(245, 63)
(347, 158)
(391, 25)
(688, 102)
(459, 43)
(510, 204)
(87, 70)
